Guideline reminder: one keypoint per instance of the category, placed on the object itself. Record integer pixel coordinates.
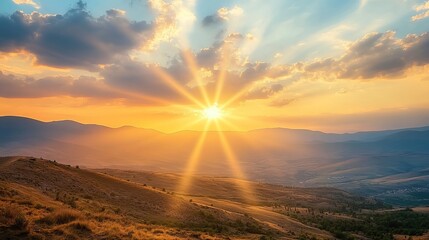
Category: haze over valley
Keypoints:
(391, 165)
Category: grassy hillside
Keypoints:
(41, 198)
(266, 194)
(301, 211)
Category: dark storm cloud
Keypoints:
(75, 39)
(377, 55)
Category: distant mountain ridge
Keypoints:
(359, 161)
(13, 123)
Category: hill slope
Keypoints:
(43, 199)
(58, 201)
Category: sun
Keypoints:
(212, 112)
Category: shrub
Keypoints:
(25, 202)
(13, 217)
(36, 236)
(157, 231)
(20, 222)
(60, 217)
(80, 226)
(39, 206)
(67, 199)
(87, 196)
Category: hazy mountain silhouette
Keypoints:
(363, 161)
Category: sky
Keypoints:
(329, 65)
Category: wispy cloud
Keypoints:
(424, 11)
(27, 2)
(376, 55)
(13, 86)
(222, 15)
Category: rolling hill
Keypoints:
(59, 201)
(43, 199)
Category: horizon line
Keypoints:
(233, 131)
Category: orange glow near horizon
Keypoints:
(316, 108)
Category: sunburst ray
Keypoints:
(192, 64)
(172, 83)
(234, 164)
(193, 161)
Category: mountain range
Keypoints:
(392, 165)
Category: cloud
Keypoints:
(420, 16)
(376, 55)
(17, 31)
(225, 50)
(75, 39)
(208, 57)
(12, 86)
(145, 79)
(27, 2)
(173, 20)
(130, 75)
(281, 102)
(222, 15)
(115, 13)
(264, 91)
(424, 9)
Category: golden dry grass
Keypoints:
(61, 217)
(61, 202)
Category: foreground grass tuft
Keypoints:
(84, 227)
(12, 216)
(60, 217)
